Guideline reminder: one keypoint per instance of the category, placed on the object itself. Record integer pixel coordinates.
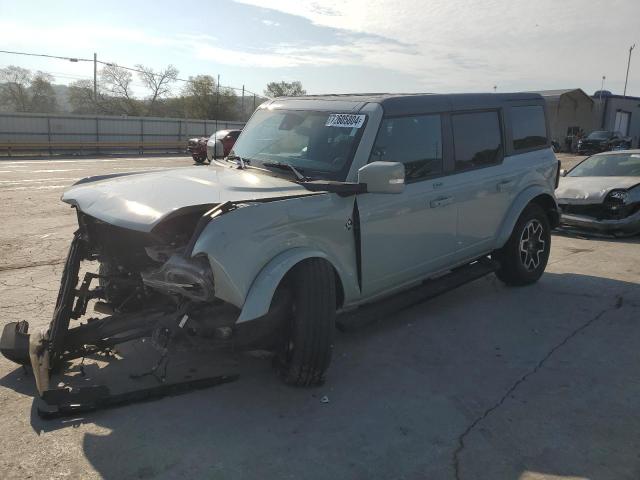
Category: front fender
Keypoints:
(518, 205)
(264, 286)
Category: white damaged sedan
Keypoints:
(602, 193)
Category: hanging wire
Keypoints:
(112, 64)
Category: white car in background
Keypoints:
(602, 193)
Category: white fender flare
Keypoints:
(264, 286)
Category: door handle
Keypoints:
(504, 185)
(441, 202)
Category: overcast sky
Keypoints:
(337, 46)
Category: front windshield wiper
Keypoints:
(286, 166)
(241, 162)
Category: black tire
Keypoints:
(524, 257)
(307, 341)
(199, 159)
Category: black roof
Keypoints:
(408, 103)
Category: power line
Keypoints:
(111, 64)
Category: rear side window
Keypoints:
(477, 140)
(415, 141)
(528, 127)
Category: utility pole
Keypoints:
(217, 102)
(601, 89)
(242, 103)
(95, 77)
(628, 64)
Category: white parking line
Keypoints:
(47, 187)
(57, 170)
(37, 180)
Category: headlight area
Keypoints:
(189, 277)
(619, 203)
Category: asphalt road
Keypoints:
(484, 382)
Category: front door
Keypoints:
(408, 235)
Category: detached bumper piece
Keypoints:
(63, 402)
(47, 351)
(14, 343)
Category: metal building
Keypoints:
(619, 114)
(569, 111)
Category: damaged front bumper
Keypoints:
(624, 226)
(182, 288)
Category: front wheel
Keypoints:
(199, 158)
(307, 341)
(524, 257)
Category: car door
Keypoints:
(481, 184)
(405, 236)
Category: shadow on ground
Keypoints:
(482, 382)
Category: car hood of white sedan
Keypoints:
(140, 201)
(585, 190)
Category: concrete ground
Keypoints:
(484, 382)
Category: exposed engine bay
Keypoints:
(146, 284)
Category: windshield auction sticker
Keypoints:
(345, 120)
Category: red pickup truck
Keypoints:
(203, 148)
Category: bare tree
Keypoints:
(15, 88)
(117, 81)
(159, 84)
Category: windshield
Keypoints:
(309, 141)
(614, 165)
(600, 135)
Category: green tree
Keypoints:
(284, 89)
(81, 97)
(201, 99)
(43, 98)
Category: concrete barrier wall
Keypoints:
(88, 134)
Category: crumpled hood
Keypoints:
(586, 190)
(140, 201)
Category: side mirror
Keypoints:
(382, 177)
(218, 151)
(563, 172)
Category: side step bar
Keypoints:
(381, 309)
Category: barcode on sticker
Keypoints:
(346, 120)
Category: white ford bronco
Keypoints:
(325, 205)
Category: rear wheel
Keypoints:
(524, 257)
(307, 341)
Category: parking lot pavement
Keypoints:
(484, 382)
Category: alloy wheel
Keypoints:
(532, 245)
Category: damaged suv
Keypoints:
(325, 205)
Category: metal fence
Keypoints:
(26, 133)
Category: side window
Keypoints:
(415, 141)
(477, 139)
(528, 127)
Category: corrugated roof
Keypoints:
(556, 94)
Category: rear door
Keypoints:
(406, 236)
(480, 183)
